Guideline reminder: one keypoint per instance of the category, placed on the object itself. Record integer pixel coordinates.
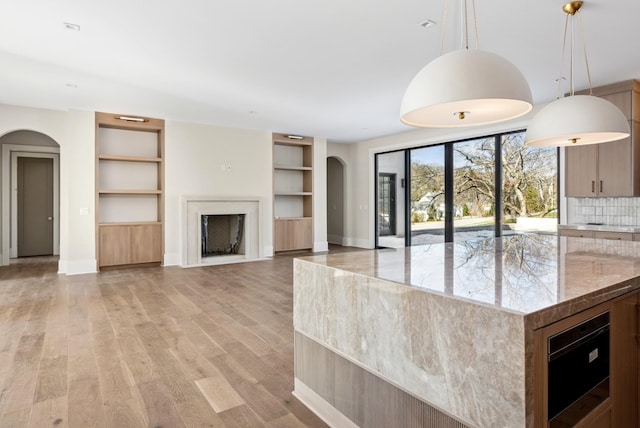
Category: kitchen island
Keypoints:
(455, 335)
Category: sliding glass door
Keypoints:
(427, 195)
(529, 186)
(474, 189)
(465, 190)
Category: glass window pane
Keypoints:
(427, 195)
(529, 186)
(474, 189)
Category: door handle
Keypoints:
(600, 186)
(593, 186)
(49, 218)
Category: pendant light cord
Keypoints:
(584, 48)
(564, 50)
(571, 89)
(466, 25)
(475, 24)
(444, 26)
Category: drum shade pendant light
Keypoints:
(465, 87)
(576, 119)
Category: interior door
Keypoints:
(35, 206)
(386, 204)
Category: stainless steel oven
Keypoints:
(578, 370)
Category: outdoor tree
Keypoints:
(529, 185)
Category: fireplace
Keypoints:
(218, 231)
(222, 234)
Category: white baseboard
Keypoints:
(172, 259)
(359, 243)
(268, 251)
(77, 267)
(320, 246)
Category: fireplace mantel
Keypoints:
(193, 207)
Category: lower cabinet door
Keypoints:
(146, 243)
(293, 234)
(114, 245)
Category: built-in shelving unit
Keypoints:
(292, 192)
(129, 190)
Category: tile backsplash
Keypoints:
(608, 211)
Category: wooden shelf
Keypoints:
(290, 218)
(130, 192)
(129, 158)
(130, 223)
(293, 168)
(294, 194)
(284, 141)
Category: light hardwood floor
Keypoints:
(157, 347)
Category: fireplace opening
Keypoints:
(222, 234)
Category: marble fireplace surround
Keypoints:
(196, 206)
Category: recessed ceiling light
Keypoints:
(253, 112)
(71, 85)
(71, 27)
(428, 23)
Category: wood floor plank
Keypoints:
(20, 384)
(16, 417)
(124, 413)
(219, 393)
(240, 417)
(52, 379)
(86, 407)
(50, 413)
(194, 364)
(198, 413)
(161, 411)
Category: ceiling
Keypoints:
(333, 68)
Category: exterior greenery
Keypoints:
(529, 181)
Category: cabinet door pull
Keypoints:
(593, 186)
(600, 186)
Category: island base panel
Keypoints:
(336, 388)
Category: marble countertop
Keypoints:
(599, 227)
(524, 274)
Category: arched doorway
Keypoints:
(335, 201)
(30, 195)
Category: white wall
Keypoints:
(344, 153)
(74, 132)
(194, 158)
(320, 242)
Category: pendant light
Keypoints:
(576, 119)
(465, 87)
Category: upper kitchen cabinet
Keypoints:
(609, 169)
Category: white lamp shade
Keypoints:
(577, 120)
(483, 85)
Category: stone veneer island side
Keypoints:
(443, 335)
